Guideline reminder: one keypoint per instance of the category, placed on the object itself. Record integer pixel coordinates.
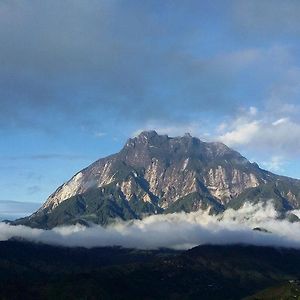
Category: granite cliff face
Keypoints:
(157, 174)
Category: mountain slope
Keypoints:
(156, 174)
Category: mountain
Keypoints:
(156, 174)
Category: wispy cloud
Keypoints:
(15, 209)
(275, 164)
(46, 156)
(100, 134)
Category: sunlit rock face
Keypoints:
(171, 168)
(156, 173)
(226, 184)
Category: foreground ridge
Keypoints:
(204, 272)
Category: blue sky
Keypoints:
(78, 78)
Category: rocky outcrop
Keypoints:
(225, 185)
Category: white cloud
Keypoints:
(258, 131)
(253, 110)
(100, 134)
(280, 121)
(275, 164)
(222, 127)
(242, 134)
(178, 231)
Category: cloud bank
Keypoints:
(176, 231)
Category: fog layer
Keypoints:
(177, 231)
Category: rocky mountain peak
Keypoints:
(145, 138)
(156, 173)
(152, 138)
(187, 135)
(147, 134)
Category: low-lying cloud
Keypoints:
(177, 231)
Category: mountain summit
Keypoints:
(156, 174)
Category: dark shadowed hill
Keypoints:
(36, 271)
